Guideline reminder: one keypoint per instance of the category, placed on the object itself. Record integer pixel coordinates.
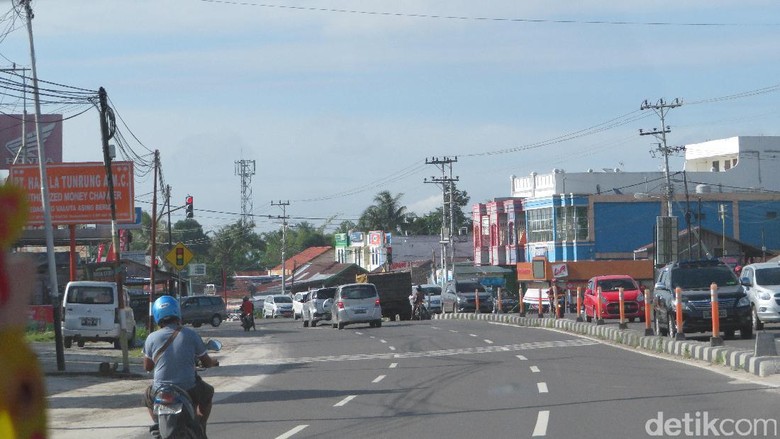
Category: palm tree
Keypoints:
(386, 214)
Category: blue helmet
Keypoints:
(165, 306)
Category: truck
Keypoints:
(394, 289)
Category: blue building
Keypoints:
(728, 185)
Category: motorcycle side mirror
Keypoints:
(214, 345)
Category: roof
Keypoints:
(302, 258)
(319, 271)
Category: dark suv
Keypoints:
(198, 310)
(695, 278)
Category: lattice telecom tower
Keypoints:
(246, 169)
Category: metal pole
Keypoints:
(153, 250)
(51, 262)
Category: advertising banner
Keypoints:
(78, 192)
(11, 139)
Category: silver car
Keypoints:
(318, 306)
(356, 303)
(762, 285)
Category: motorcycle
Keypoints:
(421, 313)
(248, 321)
(174, 412)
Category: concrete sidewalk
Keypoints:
(84, 403)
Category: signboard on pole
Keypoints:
(11, 139)
(78, 192)
(179, 256)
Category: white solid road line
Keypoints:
(344, 401)
(541, 423)
(535, 369)
(542, 387)
(378, 379)
(522, 357)
(292, 432)
(393, 365)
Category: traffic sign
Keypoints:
(179, 256)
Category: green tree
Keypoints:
(386, 214)
(299, 237)
(235, 247)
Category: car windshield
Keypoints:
(432, 291)
(470, 287)
(700, 278)
(768, 276)
(90, 295)
(615, 284)
(328, 293)
(282, 299)
(358, 292)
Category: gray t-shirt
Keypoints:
(176, 365)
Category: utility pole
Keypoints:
(107, 131)
(283, 205)
(246, 169)
(153, 250)
(55, 292)
(661, 108)
(446, 181)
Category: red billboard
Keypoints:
(78, 192)
(11, 139)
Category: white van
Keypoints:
(90, 312)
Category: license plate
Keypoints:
(721, 313)
(89, 321)
(360, 311)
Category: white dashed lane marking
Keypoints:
(382, 341)
(535, 369)
(378, 379)
(292, 432)
(541, 423)
(488, 341)
(392, 348)
(542, 387)
(393, 365)
(521, 357)
(344, 401)
(473, 335)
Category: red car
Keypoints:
(633, 299)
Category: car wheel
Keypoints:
(80, 343)
(340, 325)
(68, 342)
(313, 323)
(196, 324)
(378, 324)
(117, 344)
(306, 324)
(728, 334)
(757, 324)
(631, 319)
(216, 321)
(588, 318)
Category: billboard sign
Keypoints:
(11, 139)
(78, 192)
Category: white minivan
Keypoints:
(761, 282)
(90, 312)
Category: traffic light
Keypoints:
(188, 206)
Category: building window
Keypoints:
(511, 234)
(727, 165)
(715, 166)
(540, 225)
(572, 223)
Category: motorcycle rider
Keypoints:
(417, 299)
(248, 312)
(171, 352)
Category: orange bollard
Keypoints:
(579, 304)
(554, 306)
(622, 324)
(476, 302)
(680, 335)
(648, 327)
(599, 320)
(715, 340)
(521, 295)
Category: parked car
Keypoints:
(461, 296)
(197, 310)
(318, 306)
(432, 299)
(531, 300)
(356, 303)
(277, 305)
(694, 278)
(90, 312)
(633, 299)
(299, 301)
(762, 285)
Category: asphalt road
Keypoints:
(466, 379)
(450, 379)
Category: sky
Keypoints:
(337, 100)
